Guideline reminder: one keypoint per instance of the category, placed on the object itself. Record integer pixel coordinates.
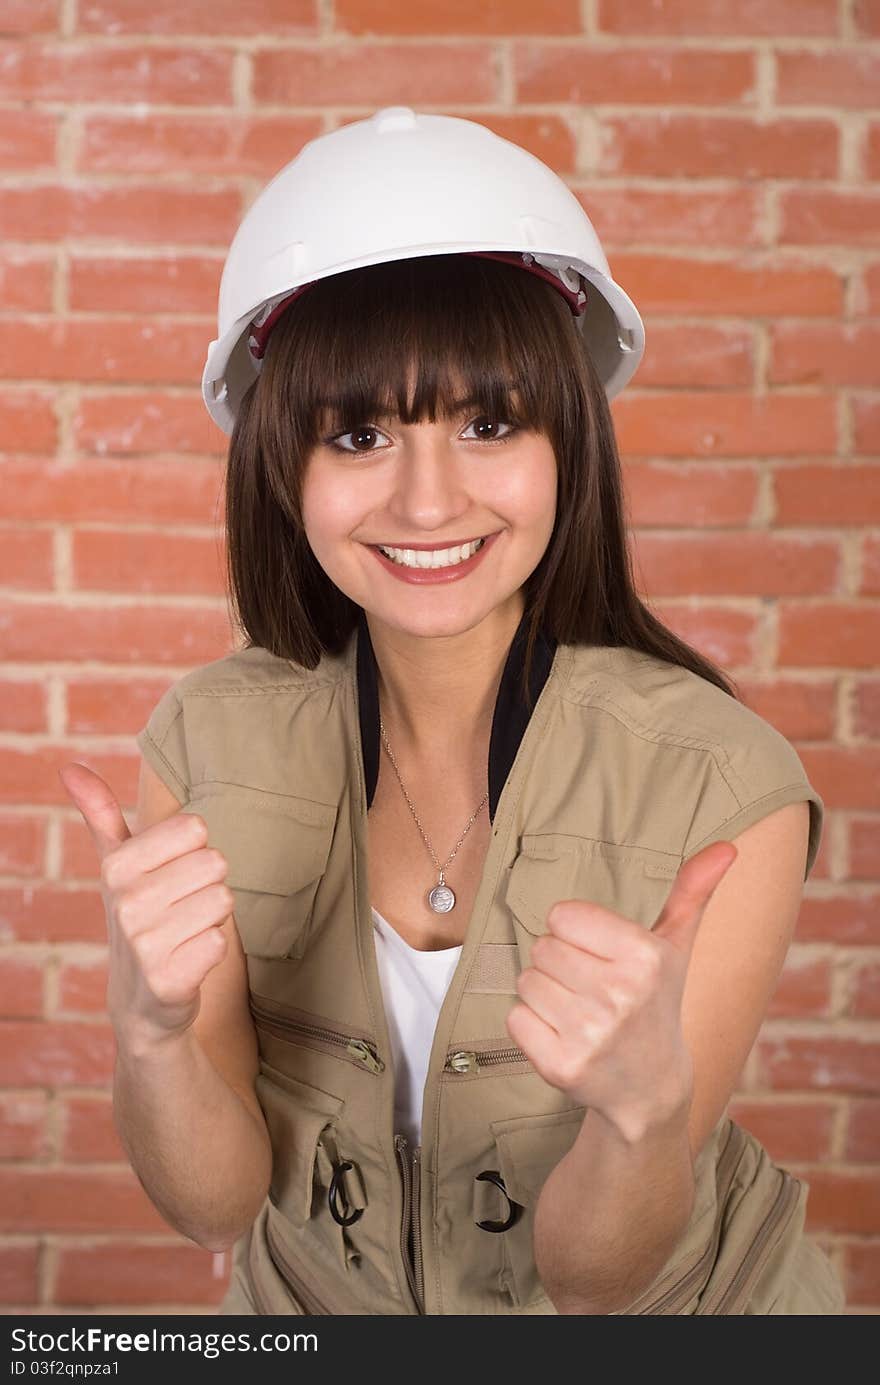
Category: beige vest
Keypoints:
(626, 766)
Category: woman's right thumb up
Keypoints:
(97, 802)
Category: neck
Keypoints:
(437, 694)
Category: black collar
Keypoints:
(509, 719)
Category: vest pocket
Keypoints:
(277, 847)
(528, 1148)
(631, 880)
(299, 1118)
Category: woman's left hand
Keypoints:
(600, 1005)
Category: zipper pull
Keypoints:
(367, 1055)
(463, 1061)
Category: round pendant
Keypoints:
(441, 899)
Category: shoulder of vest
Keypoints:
(256, 670)
(668, 704)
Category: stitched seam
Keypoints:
(163, 757)
(744, 808)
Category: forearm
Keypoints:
(194, 1145)
(611, 1211)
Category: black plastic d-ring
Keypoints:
(338, 1171)
(493, 1176)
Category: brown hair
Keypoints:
(342, 353)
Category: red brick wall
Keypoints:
(728, 153)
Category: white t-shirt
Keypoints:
(414, 984)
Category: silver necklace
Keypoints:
(441, 897)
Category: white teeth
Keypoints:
(441, 557)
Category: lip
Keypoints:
(426, 576)
(433, 547)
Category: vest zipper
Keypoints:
(678, 1294)
(410, 1226)
(783, 1203)
(471, 1060)
(356, 1046)
(309, 1300)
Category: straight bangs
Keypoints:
(418, 339)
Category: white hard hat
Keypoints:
(396, 186)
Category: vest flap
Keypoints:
(273, 842)
(553, 866)
(530, 1147)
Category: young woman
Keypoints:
(433, 997)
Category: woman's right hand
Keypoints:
(164, 896)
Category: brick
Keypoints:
(149, 422)
(840, 634)
(866, 17)
(848, 775)
(866, 425)
(57, 1054)
(867, 295)
(114, 349)
(866, 706)
(820, 494)
(829, 217)
(740, 285)
(21, 988)
(28, 140)
(88, 1132)
(23, 705)
(803, 709)
(624, 216)
(864, 849)
(862, 1143)
(590, 74)
(270, 18)
(82, 987)
(24, 17)
(29, 418)
(845, 76)
(147, 490)
(19, 1266)
(75, 70)
(842, 1200)
(22, 843)
(113, 560)
(111, 705)
(824, 354)
(727, 635)
(723, 425)
(671, 145)
(75, 1200)
(457, 17)
(862, 1273)
(660, 493)
(123, 1272)
(737, 563)
(230, 144)
(751, 18)
(819, 1063)
(851, 921)
(150, 634)
(140, 284)
(149, 212)
(25, 279)
(870, 565)
(48, 913)
(710, 358)
(788, 1130)
(804, 988)
(864, 993)
(24, 1132)
(360, 73)
(27, 559)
